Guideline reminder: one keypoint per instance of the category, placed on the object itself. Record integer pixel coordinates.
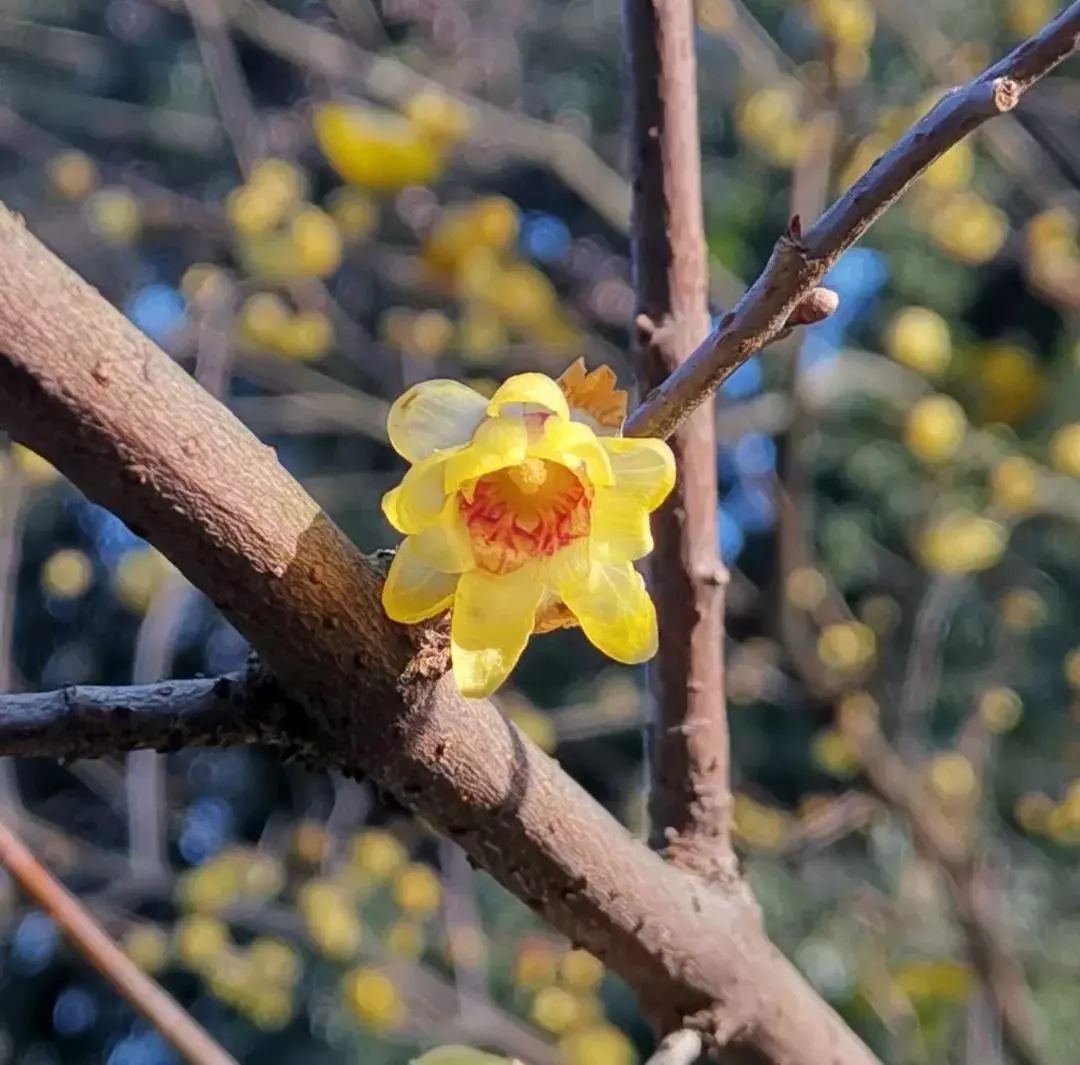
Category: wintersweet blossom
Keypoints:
(523, 513)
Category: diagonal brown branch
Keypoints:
(944, 845)
(690, 798)
(800, 261)
(80, 385)
(175, 1024)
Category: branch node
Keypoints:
(1007, 94)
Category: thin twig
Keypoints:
(175, 1024)
(238, 114)
(1015, 150)
(942, 842)
(918, 692)
(800, 260)
(690, 798)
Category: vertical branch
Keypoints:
(174, 1023)
(690, 798)
(238, 114)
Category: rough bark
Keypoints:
(690, 797)
(81, 386)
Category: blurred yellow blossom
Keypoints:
(67, 574)
(378, 852)
(139, 576)
(600, 1044)
(114, 215)
(847, 647)
(962, 542)
(952, 777)
(417, 889)
(36, 471)
(72, 174)
(1065, 449)
(969, 228)
(935, 428)
(555, 1010)
(919, 338)
(1015, 485)
(377, 149)
(835, 753)
(1001, 709)
(373, 999)
(1011, 385)
(581, 971)
(147, 946)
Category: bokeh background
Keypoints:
(312, 205)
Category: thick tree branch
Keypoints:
(690, 799)
(79, 384)
(800, 261)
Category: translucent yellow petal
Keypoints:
(418, 501)
(619, 528)
(531, 390)
(492, 620)
(576, 446)
(567, 565)
(643, 468)
(445, 546)
(433, 416)
(414, 590)
(615, 612)
(497, 443)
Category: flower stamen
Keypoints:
(524, 513)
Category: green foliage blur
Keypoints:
(899, 501)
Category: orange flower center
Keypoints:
(523, 513)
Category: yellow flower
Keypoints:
(961, 542)
(373, 999)
(377, 149)
(520, 512)
(417, 889)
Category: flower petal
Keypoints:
(418, 501)
(492, 620)
(619, 527)
(497, 443)
(445, 546)
(568, 565)
(414, 591)
(576, 446)
(433, 416)
(615, 612)
(530, 390)
(643, 468)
